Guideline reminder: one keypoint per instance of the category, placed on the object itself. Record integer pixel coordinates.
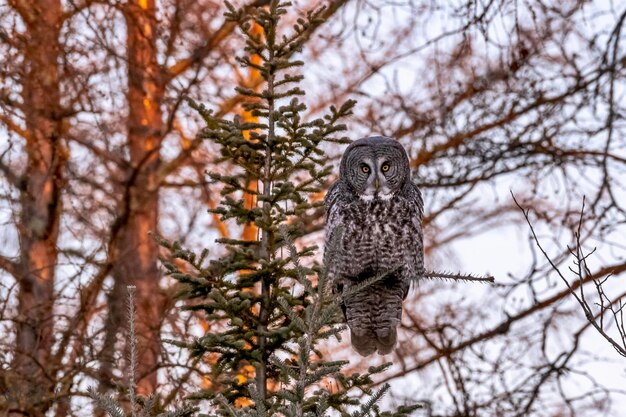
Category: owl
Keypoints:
(374, 229)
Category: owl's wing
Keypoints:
(331, 198)
(334, 222)
(417, 203)
(417, 214)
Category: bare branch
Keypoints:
(583, 275)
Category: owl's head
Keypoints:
(376, 167)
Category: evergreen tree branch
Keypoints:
(459, 277)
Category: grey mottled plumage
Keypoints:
(374, 226)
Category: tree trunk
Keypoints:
(41, 191)
(133, 251)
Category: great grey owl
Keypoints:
(373, 227)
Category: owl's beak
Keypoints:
(376, 183)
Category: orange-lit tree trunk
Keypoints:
(250, 231)
(41, 201)
(133, 251)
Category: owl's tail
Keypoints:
(382, 340)
(373, 315)
(363, 342)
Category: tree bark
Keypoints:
(41, 191)
(133, 251)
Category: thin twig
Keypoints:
(132, 350)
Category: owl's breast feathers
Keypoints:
(377, 236)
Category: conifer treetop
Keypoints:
(267, 306)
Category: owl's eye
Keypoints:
(365, 169)
(385, 167)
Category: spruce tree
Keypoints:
(266, 309)
(129, 403)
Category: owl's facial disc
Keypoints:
(376, 185)
(375, 168)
